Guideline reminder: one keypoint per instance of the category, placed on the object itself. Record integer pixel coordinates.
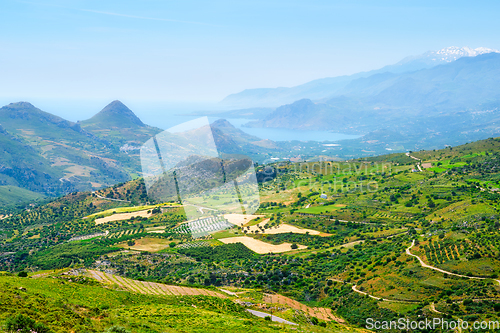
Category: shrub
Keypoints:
(23, 324)
(116, 329)
(22, 274)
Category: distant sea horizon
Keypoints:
(168, 114)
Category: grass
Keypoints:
(149, 244)
(11, 195)
(86, 306)
(227, 233)
(320, 209)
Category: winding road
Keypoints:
(111, 199)
(423, 264)
(418, 159)
(273, 318)
(355, 288)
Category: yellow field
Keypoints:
(240, 219)
(124, 210)
(260, 247)
(148, 244)
(123, 216)
(281, 229)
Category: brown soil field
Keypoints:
(147, 244)
(282, 229)
(259, 246)
(122, 216)
(320, 313)
(240, 219)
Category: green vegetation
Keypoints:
(374, 209)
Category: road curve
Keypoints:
(355, 288)
(273, 317)
(423, 264)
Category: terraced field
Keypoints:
(202, 227)
(191, 245)
(146, 287)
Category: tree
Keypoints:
(294, 246)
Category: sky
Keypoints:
(162, 51)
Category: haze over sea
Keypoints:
(167, 114)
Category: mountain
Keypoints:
(387, 99)
(114, 115)
(231, 140)
(119, 126)
(447, 104)
(49, 155)
(328, 87)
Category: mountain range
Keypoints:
(44, 155)
(459, 90)
(326, 88)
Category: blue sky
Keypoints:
(160, 50)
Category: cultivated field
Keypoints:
(261, 247)
(146, 287)
(123, 216)
(320, 313)
(280, 229)
(148, 244)
(240, 219)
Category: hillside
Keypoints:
(420, 243)
(81, 304)
(49, 155)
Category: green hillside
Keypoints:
(81, 305)
(11, 195)
(52, 156)
(422, 244)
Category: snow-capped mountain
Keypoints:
(447, 54)
(330, 87)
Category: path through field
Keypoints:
(355, 288)
(110, 199)
(419, 161)
(423, 264)
(273, 317)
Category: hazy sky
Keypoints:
(161, 50)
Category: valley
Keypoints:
(370, 237)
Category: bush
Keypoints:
(294, 246)
(23, 324)
(22, 274)
(116, 329)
